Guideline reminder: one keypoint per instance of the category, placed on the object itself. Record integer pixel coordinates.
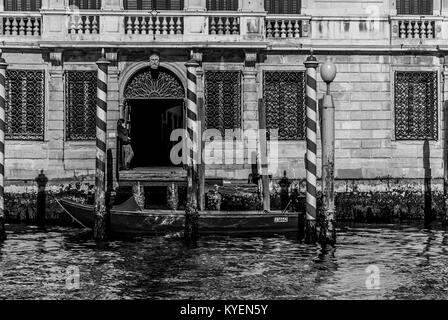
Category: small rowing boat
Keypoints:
(129, 219)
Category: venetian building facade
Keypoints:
(388, 93)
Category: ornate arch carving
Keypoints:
(149, 84)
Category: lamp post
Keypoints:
(327, 232)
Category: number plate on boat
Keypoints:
(280, 219)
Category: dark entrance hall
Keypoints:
(152, 122)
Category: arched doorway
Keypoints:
(154, 101)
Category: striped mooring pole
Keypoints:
(100, 231)
(193, 153)
(311, 65)
(3, 66)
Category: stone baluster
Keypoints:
(29, 27)
(297, 29)
(87, 29)
(79, 25)
(179, 25)
(276, 29)
(212, 26)
(409, 29)
(416, 30)
(8, 26)
(144, 26)
(430, 30)
(220, 26)
(235, 28)
(129, 25)
(402, 29)
(14, 27)
(423, 30)
(150, 26)
(164, 26)
(290, 34)
(72, 24)
(95, 25)
(227, 26)
(21, 27)
(37, 27)
(269, 28)
(283, 29)
(171, 28)
(157, 25)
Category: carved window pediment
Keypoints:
(154, 84)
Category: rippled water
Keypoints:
(413, 263)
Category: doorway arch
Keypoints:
(153, 101)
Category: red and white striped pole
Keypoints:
(101, 216)
(311, 65)
(193, 131)
(3, 66)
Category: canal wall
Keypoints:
(382, 199)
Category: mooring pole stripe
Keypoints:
(311, 139)
(101, 137)
(3, 66)
(192, 114)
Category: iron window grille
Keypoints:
(223, 100)
(153, 4)
(22, 5)
(283, 6)
(416, 101)
(414, 7)
(80, 105)
(86, 4)
(284, 101)
(25, 104)
(222, 5)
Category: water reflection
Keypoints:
(412, 263)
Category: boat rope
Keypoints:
(66, 211)
(311, 137)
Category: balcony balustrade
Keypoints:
(23, 24)
(412, 28)
(150, 25)
(287, 27)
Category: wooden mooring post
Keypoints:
(41, 181)
(193, 131)
(311, 65)
(264, 157)
(100, 231)
(3, 66)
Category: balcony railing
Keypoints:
(148, 25)
(83, 24)
(20, 24)
(224, 25)
(411, 27)
(287, 27)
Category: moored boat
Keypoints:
(129, 219)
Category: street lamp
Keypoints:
(328, 232)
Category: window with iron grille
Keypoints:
(153, 4)
(416, 105)
(284, 100)
(25, 104)
(414, 7)
(283, 6)
(22, 5)
(222, 5)
(223, 100)
(80, 104)
(86, 4)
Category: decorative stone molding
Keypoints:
(56, 58)
(250, 59)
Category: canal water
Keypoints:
(369, 262)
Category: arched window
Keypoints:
(414, 7)
(222, 5)
(22, 5)
(283, 6)
(153, 4)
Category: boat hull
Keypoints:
(163, 222)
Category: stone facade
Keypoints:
(366, 39)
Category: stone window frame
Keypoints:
(75, 66)
(207, 66)
(286, 68)
(437, 143)
(37, 67)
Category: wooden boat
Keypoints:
(129, 219)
